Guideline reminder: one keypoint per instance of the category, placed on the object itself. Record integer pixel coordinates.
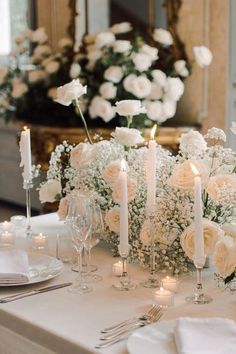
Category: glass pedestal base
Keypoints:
(199, 299)
(151, 282)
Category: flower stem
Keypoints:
(129, 121)
(78, 111)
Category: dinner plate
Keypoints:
(153, 339)
(41, 268)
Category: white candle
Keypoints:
(151, 173)
(164, 297)
(6, 225)
(6, 238)
(117, 269)
(169, 283)
(25, 149)
(199, 255)
(124, 226)
(40, 241)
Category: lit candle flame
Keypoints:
(123, 165)
(162, 289)
(153, 132)
(25, 127)
(194, 169)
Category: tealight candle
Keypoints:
(18, 220)
(40, 241)
(169, 283)
(6, 238)
(164, 297)
(6, 225)
(117, 269)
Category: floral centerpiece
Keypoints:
(95, 168)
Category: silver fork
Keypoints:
(145, 316)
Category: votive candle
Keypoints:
(117, 268)
(170, 283)
(40, 241)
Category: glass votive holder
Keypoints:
(164, 298)
(6, 238)
(117, 269)
(64, 247)
(6, 226)
(18, 221)
(40, 241)
(170, 283)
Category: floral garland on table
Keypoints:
(95, 167)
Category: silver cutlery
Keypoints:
(32, 292)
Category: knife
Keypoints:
(33, 292)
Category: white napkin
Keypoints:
(14, 267)
(205, 336)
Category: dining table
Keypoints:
(66, 323)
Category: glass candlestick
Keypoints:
(125, 283)
(199, 297)
(153, 280)
(27, 186)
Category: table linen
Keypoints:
(14, 266)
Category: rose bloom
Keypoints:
(129, 108)
(183, 177)
(82, 155)
(154, 111)
(162, 36)
(19, 90)
(121, 46)
(224, 257)
(159, 77)
(75, 70)
(128, 82)
(102, 108)
(203, 56)
(142, 61)
(104, 39)
(3, 75)
(111, 172)
(52, 93)
(114, 74)
(49, 190)
(141, 87)
(42, 51)
(39, 35)
(233, 128)
(168, 108)
(127, 136)
(107, 90)
(192, 141)
(69, 92)
(152, 52)
(36, 75)
(122, 27)
(112, 219)
(65, 42)
(174, 89)
(63, 208)
(156, 92)
(222, 183)
(145, 235)
(52, 67)
(211, 234)
(180, 68)
(131, 190)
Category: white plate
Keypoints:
(153, 339)
(41, 268)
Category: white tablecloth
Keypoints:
(61, 322)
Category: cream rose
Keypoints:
(162, 36)
(224, 257)
(183, 177)
(107, 90)
(174, 89)
(142, 61)
(156, 92)
(65, 42)
(36, 76)
(129, 108)
(112, 219)
(121, 46)
(104, 39)
(169, 108)
(128, 82)
(141, 87)
(3, 75)
(122, 27)
(114, 74)
(75, 70)
(19, 90)
(69, 92)
(152, 52)
(154, 111)
(220, 186)
(192, 142)
(82, 155)
(159, 77)
(180, 68)
(111, 172)
(63, 208)
(49, 190)
(102, 108)
(127, 136)
(52, 93)
(203, 56)
(131, 189)
(52, 67)
(211, 233)
(42, 51)
(39, 35)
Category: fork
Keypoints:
(145, 316)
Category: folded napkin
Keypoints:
(205, 336)
(14, 267)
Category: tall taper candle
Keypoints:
(124, 226)
(25, 149)
(151, 173)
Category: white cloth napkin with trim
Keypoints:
(14, 267)
(205, 336)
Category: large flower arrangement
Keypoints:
(95, 168)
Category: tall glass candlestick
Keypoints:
(125, 283)
(27, 186)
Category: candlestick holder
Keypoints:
(27, 187)
(153, 280)
(198, 297)
(125, 283)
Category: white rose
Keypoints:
(108, 90)
(82, 155)
(112, 219)
(156, 92)
(224, 257)
(75, 70)
(104, 39)
(102, 108)
(229, 230)
(180, 68)
(113, 73)
(111, 172)
(65, 43)
(162, 36)
(182, 176)
(63, 208)
(145, 234)
(52, 67)
(36, 75)
(152, 52)
(203, 56)
(127, 136)
(121, 46)
(42, 51)
(159, 77)
(129, 108)
(122, 27)
(216, 134)
(220, 186)
(93, 54)
(174, 89)
(233, 127)
(142, 61)
(39, 35)
(69, 92)
(211, 234)
(49, 190)
(128, 82)
(141, 87)
(52, 93)
(154, 111)
(169, 108)
(131, 190)
(19, 90)
(3, 75)
(193, 143)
